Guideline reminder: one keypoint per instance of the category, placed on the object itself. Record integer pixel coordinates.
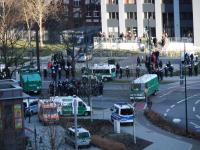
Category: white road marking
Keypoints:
(197, 102)
(166, 94)
(187, 99)
(172, 106)
(167, 110)
(195, 125)
(197, 116)
(193, 109)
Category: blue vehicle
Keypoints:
(123, 112)
(31, 105)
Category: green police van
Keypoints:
(66, 106)
(143, 86)
(30, 80)
(104, 72)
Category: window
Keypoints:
(126, 111)
(76, 3)
(149, 15)
(132, 15)
(149, 1)
(112, 1)
(113, 15)
(129, 1)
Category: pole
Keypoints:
(73, 56)
(186, 113)
(35, 137)
(75, 120)
(134, 132)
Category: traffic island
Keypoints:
(103, 135)
(156, 119)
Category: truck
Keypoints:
(104, 72)
(66, 106)
(144, 86)
(30, 80)
(47, 112)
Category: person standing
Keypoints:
(196, 69)
(137, 71)
(127, 72)
(117, 69)
(120, 72)
(138, 61)
(59, 72)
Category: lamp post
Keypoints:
(186, 111)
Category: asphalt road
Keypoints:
(170, 102)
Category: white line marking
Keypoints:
(195, 125)
(166, 93)
(165, 114)
(193, 109)
(167, 110)
(187, 99)
(197, 102)
(197, 116)
(172, 106)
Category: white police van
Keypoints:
(123, 112)
(83, 136)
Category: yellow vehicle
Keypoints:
(47, 112)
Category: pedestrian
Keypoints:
(59, 72)
(166, 71)
(120, 72)
(171, 69)
(149, 103)
(137, 71)
(45, 73)
(67, 72)
(196, 69)
(127, 72)
(161, 74)
(138, 61)
(117, 69)
(160, 64)
(28, 114)
(190, 70)
(101, 88)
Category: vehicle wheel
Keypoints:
(86, 113)
(154, 93)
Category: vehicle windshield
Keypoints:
(50, 111)
(83, 135)
(103, 71)
(126, 111)
(136, 86)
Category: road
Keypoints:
(170, 102)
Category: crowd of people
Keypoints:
(81, 88)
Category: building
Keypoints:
(177, 18)
(12, 134)
(79, 13)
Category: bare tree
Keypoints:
(40, 9)
(10, 33)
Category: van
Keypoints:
(47, 112)
(31, 105)
(123, 112)
(144, 86)
(66, 107)
(83, 136)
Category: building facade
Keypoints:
(174, 17)
(81, 13)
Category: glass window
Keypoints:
(126, 111)
(83, 135)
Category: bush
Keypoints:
(159, 121)
(106, 144)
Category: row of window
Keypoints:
(132, 15)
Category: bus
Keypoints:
(144, 86)
(30, 80)
(104, 72)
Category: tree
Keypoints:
(10, 33)
(39, 11)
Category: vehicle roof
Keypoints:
(123, 105)
(145, 78)
(47, 103)
(64, 99)
(103, 66)
(79, 129)
(31, 77)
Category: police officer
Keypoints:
(196, 69)
(45, 73)
(137, 71)
(166, 71)
(161, 73)
(190, 70)
(127, 72)
(101, 88)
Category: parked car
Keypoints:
(31, 105)
(82, 57)
(83, 136)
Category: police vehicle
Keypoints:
(31, 105)
(83, 136)
(123, 112)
